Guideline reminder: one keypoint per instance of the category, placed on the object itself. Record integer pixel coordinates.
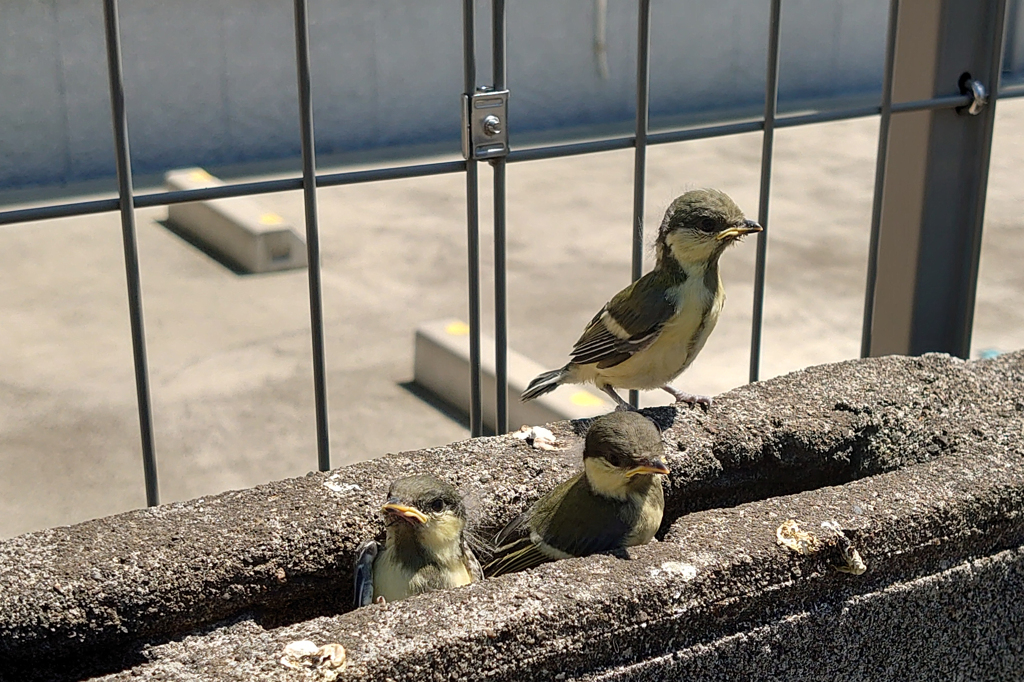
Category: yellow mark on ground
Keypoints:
(584, 399)
(199, 176)
(271, 219)
(457, 328)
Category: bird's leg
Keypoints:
(620, 404)
(689, 398)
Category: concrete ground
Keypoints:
(230, 354)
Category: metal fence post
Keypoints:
(316, 305)
(476, 424)
(643, 102)
(498, 21)
(771, 101)
(935, 178)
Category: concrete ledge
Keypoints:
(237, 230)
(442, 367)
(934, 603)
(918, 460)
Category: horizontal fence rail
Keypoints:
(309, 181)
(243, 189)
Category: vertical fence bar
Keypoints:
(119, 117)
(472, 228)
(643, 82)
(771, 98)
(316, 307)
(500, 291)
(876, 200)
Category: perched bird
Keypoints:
(615, 502)
(425, 548)
(653, 329)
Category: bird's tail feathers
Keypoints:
(545, 383)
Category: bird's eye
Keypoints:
(707, 225)
(437, 505)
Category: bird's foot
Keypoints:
(688, 398)
(620, 404)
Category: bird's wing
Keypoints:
(627, 324)
(570, 519)
(364, 573)
(517, 556)
(511, 528)
(581, 522)
(520, 553)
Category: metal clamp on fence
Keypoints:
(485, 124)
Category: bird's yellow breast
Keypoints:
(679, 342)
(648, 522)
(394, 581)
(440, 540)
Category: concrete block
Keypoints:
(916, 461)
(442, 367)
(237, 229)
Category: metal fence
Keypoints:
(964, 26)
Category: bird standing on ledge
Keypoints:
(615, 502)
(653, 329)
(425, 548)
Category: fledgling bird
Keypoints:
(615, 502)
(426, 546)
(653, 329)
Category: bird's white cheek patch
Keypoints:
(606, 479)
(689, 249)
(441, 537)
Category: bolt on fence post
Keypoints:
(126, 204)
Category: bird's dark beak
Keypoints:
(737, 231)
(403, 512)
(651, 466)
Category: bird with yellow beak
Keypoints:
(425, 548)
(615, 502)
(653, 329)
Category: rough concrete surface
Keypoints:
(922, 467)
(953, 625)
(229, 355)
